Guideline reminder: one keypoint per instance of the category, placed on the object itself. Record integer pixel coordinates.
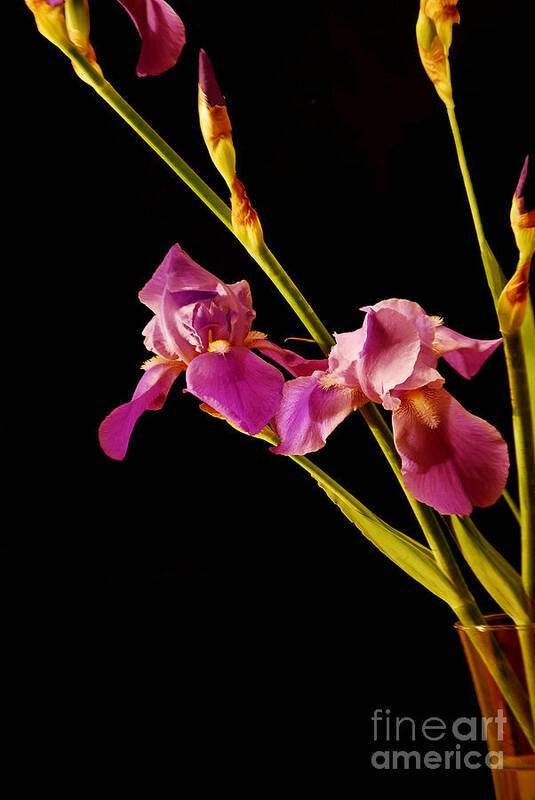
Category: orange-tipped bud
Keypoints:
(513, 301)
(444, 14)
(245, 222)
(522, 221)
(50, 21)
(215, 123)
(66, 24)
(217, 134)
(434, 35)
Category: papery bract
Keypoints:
(450, 458)
(202, 326)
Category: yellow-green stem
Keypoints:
(525, 453)
(495, 278)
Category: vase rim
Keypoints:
(494, 622)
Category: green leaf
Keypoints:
(493, 571)
(495, 277)
(414, 558)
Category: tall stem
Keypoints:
(495, 276)
(525, 454)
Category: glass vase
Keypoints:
(513, 765)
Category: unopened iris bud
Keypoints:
(245, 222)
(513, 302)
(66, 23)
(522, 221)
(217, 134)
(434, 35)
(77, 21)
(50, 21)
(215, 123)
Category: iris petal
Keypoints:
(294, 363)
(150, 395)
(238, 384)
(451, 459)
(310, 410)
(465, 355)
(162, 34)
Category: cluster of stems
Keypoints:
(433, 527)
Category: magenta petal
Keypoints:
(294, 363)
(310, 410)
(451, 459)
(207, 81)
(150, 394)
(162, 34)
(465, 355)
(54, 2)
(239, 385)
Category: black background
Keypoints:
(203, 598)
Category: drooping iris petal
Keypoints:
(451, 459)
(465, 355)
(162, 34)
(310, 410)
(294, 363)
(150, 395)
(238, 384)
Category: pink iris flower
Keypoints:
(161, 30)
(451, 459)
(202, 326)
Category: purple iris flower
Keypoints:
(451, 459)
(203, 326)
(161, 30)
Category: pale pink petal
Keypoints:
(162, 34)
(465, 355)
(310, 410)
(238, 384)
(343, 358)
(150, 395)
(451, 459)
(389, 355)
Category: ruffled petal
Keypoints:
(311, 408)
(451, 459)
(389, 355)
(294, 363)
(194, 306)
(162, 34)
(238, 384)
(465, 355)
(343, 358)
(150, 395)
